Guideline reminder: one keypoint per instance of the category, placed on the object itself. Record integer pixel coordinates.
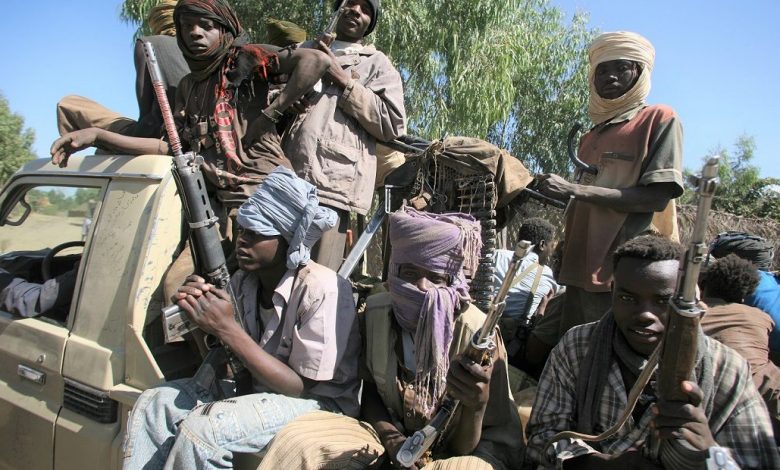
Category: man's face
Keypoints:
(200, 35)
(256, 252)
(422, 278)
(640, 299)
(355, 21)
(615, 77)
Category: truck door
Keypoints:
(38, 216)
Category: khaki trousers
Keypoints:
(321, 440)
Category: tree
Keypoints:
(15, 141)
(741, 190)
(509, 71)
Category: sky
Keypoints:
(715, 63)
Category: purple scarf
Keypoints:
(442, 243)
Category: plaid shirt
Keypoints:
(738, 420)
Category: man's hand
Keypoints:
(469, 382)
(71, 143)
(207, 306)
(555, 187)
(335, 73)
(681, 420)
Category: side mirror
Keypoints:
(16, 214)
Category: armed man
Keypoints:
(301, 341)
(333, 144)
(221, 107)
(637, 151)
(415, 338)
(585, 385)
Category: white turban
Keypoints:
(621, 45)
(288, 206)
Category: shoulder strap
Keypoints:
(529, 301)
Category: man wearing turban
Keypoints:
(300, 340)
(415, 336)
(221, 108)
(637, 150)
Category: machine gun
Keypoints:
(204, 237)
(481, 350)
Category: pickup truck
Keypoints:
(68, 381)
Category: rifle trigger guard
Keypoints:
(204, 223)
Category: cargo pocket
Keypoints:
(338, 164)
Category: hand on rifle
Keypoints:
(555, 187)
(71, 143)
(684, 420)
(469, 382)
(335, 73)
(207, 306)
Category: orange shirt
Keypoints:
(638, 148)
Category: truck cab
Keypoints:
(68, 379)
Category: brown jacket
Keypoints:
(333, 145)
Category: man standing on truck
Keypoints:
(301, 342)
(637, 150)
(333, 144)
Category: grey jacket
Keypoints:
(333, 145)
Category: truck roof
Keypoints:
(131, 166)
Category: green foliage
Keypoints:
(15, 141)
(508, 71)
(742, 191)
(51, 200)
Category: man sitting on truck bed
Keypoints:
(301, 342)
(221, 110)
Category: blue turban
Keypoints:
(288, 206)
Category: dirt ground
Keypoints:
(40, 231)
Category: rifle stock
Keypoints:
(481, 350)
(204, 232)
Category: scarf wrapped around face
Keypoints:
(620, 45)
(442, 243)
(288, 206)
(234, 60)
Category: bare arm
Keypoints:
(305, 68)
(470, 383)
(211, 309)
(374, 411)
(72, 142)
(651, 198)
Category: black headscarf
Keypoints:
(232, 34)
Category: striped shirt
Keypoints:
(737, 415)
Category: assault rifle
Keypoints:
(329, 35)
(676, 355)
(481, 350)
(680, 343)
(204, 234)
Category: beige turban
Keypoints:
(621, 45)
(161, 18)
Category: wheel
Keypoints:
(46, 263)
